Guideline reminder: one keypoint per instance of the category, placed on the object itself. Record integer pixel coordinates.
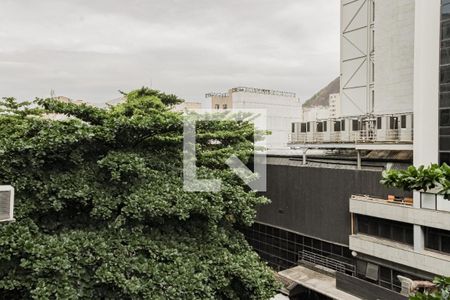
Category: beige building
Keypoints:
(185, 106)
(282, 108)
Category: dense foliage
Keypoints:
(101, 211)
(441, 292)
(420, 179)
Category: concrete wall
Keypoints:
(314, 201)
(394, 56)
(426, 82)
(282, 111)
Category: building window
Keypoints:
(437, 239)
(281, 248)
(308, 126)
(403, 121)
(337, 126)
(303, 127)
(393, 123)
(387, 229)
(355, 125)
(293, 127)
(444, 117)
(217, 106)
(342, 125)
(379, 123)
(319, 126)
(324, 126)
(224, 106)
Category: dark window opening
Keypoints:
(437, 239)
(319, 126)
(379, 123)
(293, 127)
(308, 126)
(337, 126)
(303, 127)
(393, 122)
(444, 117)
(355, 125)
(403, 121)
(387, 229)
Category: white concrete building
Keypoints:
(314, 113)
(283, 108)
(335, 105)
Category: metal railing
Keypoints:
(328, 262)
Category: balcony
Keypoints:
(427, 214)
(425, 260)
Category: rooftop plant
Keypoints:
(434, 177)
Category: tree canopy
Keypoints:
(101, 212)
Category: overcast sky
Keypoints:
(90, 49)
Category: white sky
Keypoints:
(89, 49)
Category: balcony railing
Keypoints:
(327, 262)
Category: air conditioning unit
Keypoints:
(6, 203)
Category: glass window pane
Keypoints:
(444, 143)
(444, 118)
(444, 100)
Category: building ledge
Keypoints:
(381, 208)
(316, 281)
(425, 260)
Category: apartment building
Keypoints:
(282, 109)
(333, 216)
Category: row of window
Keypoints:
(281, 248)
(435, 239)
(444, 89)
(394, 123)
(387, 229)
(217, 106)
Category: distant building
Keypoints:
(185, 106)
(313, 113)
(335, 105)
(282, 108)
(68, 100)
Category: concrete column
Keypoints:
(419, 238)
(426, 81)
(358, 160)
